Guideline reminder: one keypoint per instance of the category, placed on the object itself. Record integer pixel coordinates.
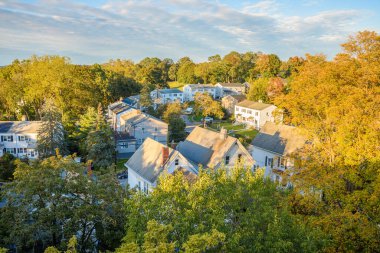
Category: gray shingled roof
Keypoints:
(253, 105)
(19, 127)
(232, 85)
(280, 139)
(147, 159)
(197, 86)
(170, 91)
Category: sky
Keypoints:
(95, 31)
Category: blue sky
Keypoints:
(90, 31)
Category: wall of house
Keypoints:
(248, 116)
(182, 162)
(119, 126)
(189, 93)
(136, 181)
(19, 147)
(266, 115)
(126, 146)
(229, 104)
(146, 128)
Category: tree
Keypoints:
(145, 98)
(206, 106)
(268, 65)
(176, 129)
(51, 134)
(185, 73)
(51, 200)
(86, 123)
(7, 167)
(258, 90)
(100, 144)
(221, 211)
(275, 88)
(173, 110)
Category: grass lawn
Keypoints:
(120, 165)
(239, 131)
(176, 84)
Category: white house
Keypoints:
(135, 127)
(115, 111)
(273, 148)
(254, 114)
(225, 89)
(165, 96)
(19, 138)
(152, 159)
(212, 149)
(190, 90)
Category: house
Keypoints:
(273, 148)
(133, 101)
(254, 114)
(212, 149)
(224, 89)
(150, 160)
(19, 138)
(136, 126)
(115, 111)
(165, 96)
(189, 91)
(229, 102)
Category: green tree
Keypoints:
(176, 129)
(7, 167)
(100, 144)
(173, 110)
(53, 199)
(51, 134)
(185, 73)
(145, 98)
(268, 65)
(258, 90)
(86, 123)
(206, 106)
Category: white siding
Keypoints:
(19, 146)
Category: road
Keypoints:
(190, 125)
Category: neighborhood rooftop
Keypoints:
(170, 91)
(253, 105)
(119, 108)
(147, 160)
(136, 116)
(196, 86)
(205, 147)
(20, 127)
(232, 84)
(279, 139)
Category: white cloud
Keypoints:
(169, 28)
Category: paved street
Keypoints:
(190, 125)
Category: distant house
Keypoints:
(229, 102)
(254, 114)
(214, 149)
(165, 96)
(133, 101)
(19, 138)
(115, 111)
(225, 89)
(152, 159)
(273, 148)
(189, 91)
(136, 126)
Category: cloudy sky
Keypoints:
(90, 31)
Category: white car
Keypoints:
(208, 119)
(189, 110)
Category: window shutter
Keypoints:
(266, 161)
(11, 138)
(278, 162)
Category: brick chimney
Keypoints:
(223, 133)
(165, 155)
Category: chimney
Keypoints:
(223, 133)
(24, 118)
(165, 155)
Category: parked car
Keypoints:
(189, 110)
(208, 119)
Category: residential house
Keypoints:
(153, 158)
(165, 96)
(190, 90)
(225, 89)
(254, 114)
(229, 102)
(19, 138)
(212, 149)
(136, 126)
(273, 148)
(133, 101)
(115, 111)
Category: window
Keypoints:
(8, 138)
(123, 145)
(139, 185)
(33, 153)
(270, 162)
(256, 113)
(143, 129)
(266, 161)
(21, 138)
(21, 150)
(146, 187)
(243, 110)
(239, 157)
(227, 160)
(249, 111)
(176, 162)
(11, 150)
(155, 129)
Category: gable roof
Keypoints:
(232, 85)
(206, 147)
(132, 100)
(280, 139)
(169, 91)
(253, 105)
(19, 127)
(119, 107)
(200, 86)
(147, 160)
(136, 116)
(236, 97)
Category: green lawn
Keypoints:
(239, 131)
(176, 84)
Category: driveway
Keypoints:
(190, 125)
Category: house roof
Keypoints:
(136, 116)
(253, 105)
(232, 85)
(280, 139)
(132, 100)
(237, 97)
(206, 147)
(120, 108)
(19, 127)
(169, 91)
(147, 160)
(197, 86)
